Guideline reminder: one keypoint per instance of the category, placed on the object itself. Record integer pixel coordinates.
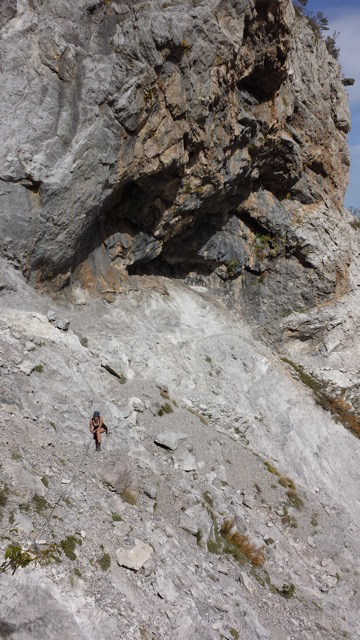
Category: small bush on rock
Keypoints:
(165, 408)
(287, 483)
(239, 546)
(230, 541)
(16, 557)
(116, 517)
(4, 492)
(104, 562)
(294, 499)
(68, 545)
(287, 591)
(271, 469)
(40, 504)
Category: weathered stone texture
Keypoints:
(192, 135)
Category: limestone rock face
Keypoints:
(196, 137)
(135, 557)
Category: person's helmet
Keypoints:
(96, 414)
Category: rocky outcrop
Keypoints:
(242, 524)
(206, 140)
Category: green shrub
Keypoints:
(39, 368)
(231, 542)
(348, 82)
(294, 499)
(116, 517)
(334, 51)
(15, 556)
(104, 562)
(287, 591)
(68, 545)
(4, 496)
(232, 268)
(165, 408)
(4, 492)
(271, 469)
(318, 23)
(287, 483)
(239, 545)
(341, 409)
(40, 504)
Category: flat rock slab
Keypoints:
(116, 475)
(185, 462)
(170, 439)
(135, 557)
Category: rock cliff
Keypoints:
(171, 186)
(200, 139)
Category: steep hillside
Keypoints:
(175, 254)
(248, 448)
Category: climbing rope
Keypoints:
(25, 553)
(61, 496)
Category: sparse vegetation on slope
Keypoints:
(341, 409)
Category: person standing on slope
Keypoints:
(97, 427)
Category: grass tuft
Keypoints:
(68, 545)
(295, 500)
(104, 562)
(338, 406)
(40, 504)
(198, 415)
(233, 543)
(271, 469)
(287, 591)
(287, 483)
(128, 496)
(116, 517)
(165, 408)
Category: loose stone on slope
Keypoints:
(170, 439)
(135, 557)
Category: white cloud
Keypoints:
(349, 42)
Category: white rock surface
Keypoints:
(170, 439)
(135, 557)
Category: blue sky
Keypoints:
(344, 16)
